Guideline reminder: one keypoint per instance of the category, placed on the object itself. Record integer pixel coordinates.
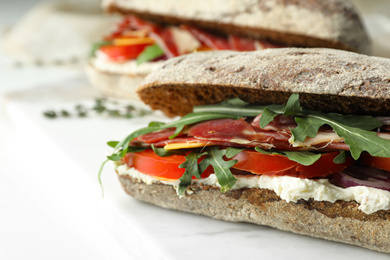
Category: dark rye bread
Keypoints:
(327, 79)
(301, 23)
(340, 221)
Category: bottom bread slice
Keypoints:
(340, 221)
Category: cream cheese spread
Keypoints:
(102, 63)
(289, 188)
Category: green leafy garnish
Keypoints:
(149, 53)
(112, 144)
(231, 152)
(214, 157)
(162, 152)
(353, 128)
(293, 107)
(359, 139)
(302, 157)
(231, 108)
(121, 148)
(341, 158)
(221, 167)
(267, 117)
(96, 46)
(192, 169)
(100, 175)
(101, 107)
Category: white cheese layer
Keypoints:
(102, 63)
(290, 188)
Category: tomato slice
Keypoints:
(272, 164)
(123, 52)
(375, 161)
(166, 168)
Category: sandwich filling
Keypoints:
(136, 41)
(287, 188)
(294, 151)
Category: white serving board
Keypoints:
(67, 154)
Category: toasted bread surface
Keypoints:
(316, 23)
(327, 79)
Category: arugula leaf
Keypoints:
(307, 126)
(134, 149)
(162, 152)
(231, 152)
(358, 139)
(235, 102)
(149, 53)
(112, 144)
(258, 149)
(100, 176)
(310, 122)
(302, 157)
(156, 124)
(237, 108)
(354, 129)
(293, 106)
(191, 169)
(191, 118)
(221, 167)
(341, 158)
(267, 117)
(96, 46)
(362, 122)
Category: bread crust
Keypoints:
(340, 221)
(317, 23)
(327, 79)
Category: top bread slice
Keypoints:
(327, 79)
(300, 23)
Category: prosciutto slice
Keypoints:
(241, 44)
(162, 35)
(280, 122)
(239, 132)
(212, 41)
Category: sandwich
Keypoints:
(293, 138)
(153, 31)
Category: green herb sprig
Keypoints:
(96, 46)
(214, 157)
(149, 53)
(101, 107)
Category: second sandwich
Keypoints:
(153, 31)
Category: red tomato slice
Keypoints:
(122, 53)
(272, 164)
(151, 164)
(375, 161)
